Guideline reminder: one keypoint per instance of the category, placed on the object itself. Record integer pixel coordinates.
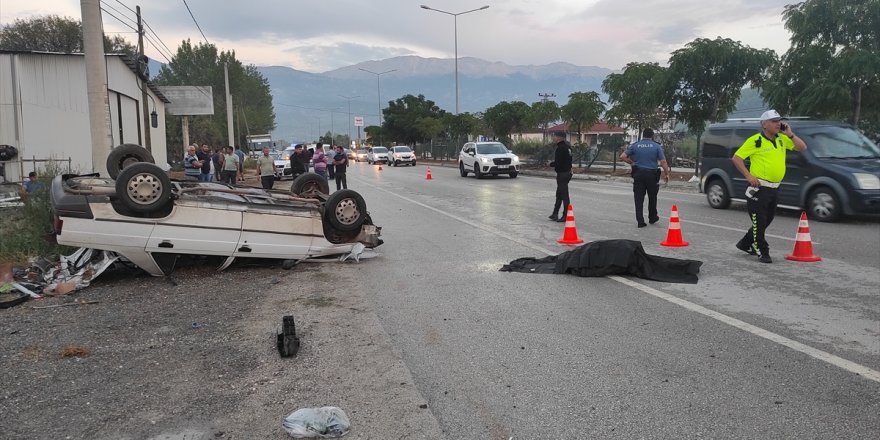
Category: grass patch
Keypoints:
(26, 230)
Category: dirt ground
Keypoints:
(193, 357)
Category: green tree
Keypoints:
(708, 76)
(505, 118)
(411, 119)
(638, 96)
(202, 65)
(54, 33)
(545, 113)
(373, 134)
(582, 110)
(833, 66)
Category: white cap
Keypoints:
(770, 114)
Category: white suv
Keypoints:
(483, 158)
(377, 154)
(402, 155)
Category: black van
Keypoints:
(838, 174)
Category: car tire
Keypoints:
(345, 210)
(513, 175)
(143, 188)
(823, 204)
(717, 194)
(461, 169)
(477, 173)
(414, 163)
(125, 155)
(308, 182)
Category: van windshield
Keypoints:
(839, 143)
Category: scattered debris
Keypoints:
(325, 422)
(74, 303)
(75, 351)
(288, 342)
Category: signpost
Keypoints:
(359, 122)
(188, 100)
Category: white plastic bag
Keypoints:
(325, 422)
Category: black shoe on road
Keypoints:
(765, 258)
(641, 225)
(654, 220)
(560, 219)
(552, 217)
(747, 249)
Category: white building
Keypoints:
(44, 111)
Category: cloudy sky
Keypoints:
(321, 35)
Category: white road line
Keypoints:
(741, 230)
(815, 353)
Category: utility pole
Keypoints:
(229, 126)
(544, 98)
(96, 84)
(144, 106)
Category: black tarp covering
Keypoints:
(611, 257)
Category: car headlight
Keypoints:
(515, 159)
(485, 160)
(867, 181)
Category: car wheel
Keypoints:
(309, 183)
(345, 210)
(717, 195)
(125, 155)
(143, 187)
(461, 169)
(513, 175)
(477, 173)
(823, 205)
(414, 163)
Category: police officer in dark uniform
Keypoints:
(562, 164)
(643, 156)
(766, 152)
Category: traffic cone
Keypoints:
(380, 167)
(428, 177)
(570, 235)
(803, 244)
(673, 234)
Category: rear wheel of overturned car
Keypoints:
(143, 187)
(309, 183)
(345, 210)
(125, 155)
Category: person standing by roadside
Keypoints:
(562, 164)
(766, 152)
(217, 160)
(266, 169)
(643, 156)
(192, 166)
(230, 166)
(340, 162)
(205, 157)
(240, 155)
(298, 162)
(320, 162)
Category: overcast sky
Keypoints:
(321, 35)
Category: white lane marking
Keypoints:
(742, 230)
(815, 353)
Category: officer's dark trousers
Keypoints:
(562, 197)
(341, 181)
(761, 211)
(646, 181)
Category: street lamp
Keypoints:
(378, 94)
(349, 98)
(455, 19)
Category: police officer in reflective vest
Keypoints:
(766, 153)
(644, 156)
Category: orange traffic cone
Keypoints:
(803, 244)
(570, 235)
(673, 234)
(428, 177)
(380, 167)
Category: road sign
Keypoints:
(358, 121)
(189, 100)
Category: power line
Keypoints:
(150, 28)
(119, 20)
(126, 7)
(118, 12)
(196, 22)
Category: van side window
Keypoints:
(716, 143)
(740, 136)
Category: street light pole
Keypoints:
(349, 98)
(455, 20)
(378, 93)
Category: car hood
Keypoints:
(870, 166)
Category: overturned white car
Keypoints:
(151, 220)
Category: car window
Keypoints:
(362, 151)
(491, 149)
(402, 150)
(716, 143)
(380, 150)
(838, 142)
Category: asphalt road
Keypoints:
(788, 350)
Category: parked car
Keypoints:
(280, 165)
(350, 154)
(482, 158)
(377, 155)
(838, 174)
(361, 155)
(402, 155)
(152, 220)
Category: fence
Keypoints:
(51, 166)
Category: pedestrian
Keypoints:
(230, 166)
(192, 166)
(206, 158)
(32, 184)
(320, 163)
(562, 164)
(298, 161)
(266, 169)
(340, 162)
(240, 155)
(329, 156)
(766, 153)
(644, 156)
(310, 153)
(217, 160)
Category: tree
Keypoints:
(202, 65)
(53, 33)
(544, 113)
(638, 96)
(833, 66)
(505, 118)
(373, 133)
(411, 119)
(582, 111)
(708, 76)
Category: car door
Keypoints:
(199, 229)
(796, 175)
(282, 232)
